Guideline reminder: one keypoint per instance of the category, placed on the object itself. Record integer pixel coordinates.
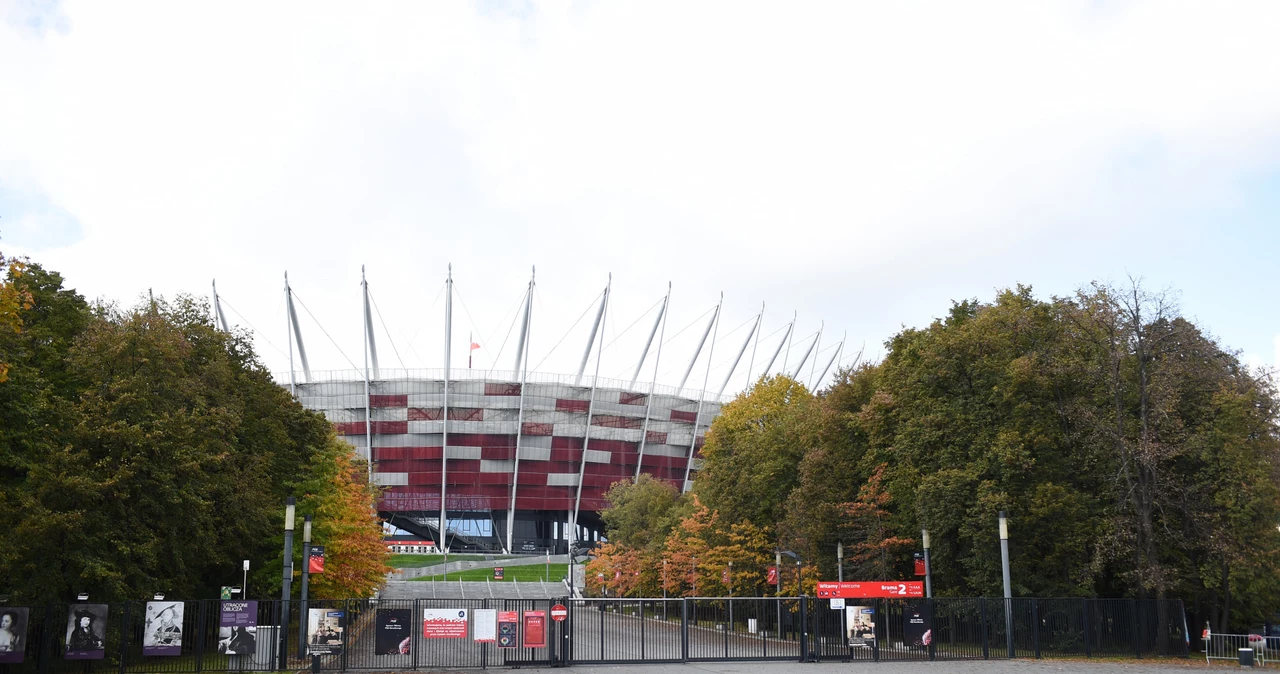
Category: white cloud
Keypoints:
(855, 162)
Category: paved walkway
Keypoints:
(454, 567)
(958, 667)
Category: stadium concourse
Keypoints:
(519, 461)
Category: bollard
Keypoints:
(315, 664)
(1246, 657)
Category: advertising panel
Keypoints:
(870, 589)
(316, 563)
(162, 628)
(238, 627)
(444, 623)
(535, 629)
(860, 621)
(86, 632)
(394, 637)
(13, 633)
(324, 631)
(916, 631)
(508, 629)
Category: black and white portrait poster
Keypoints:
(86, 631)
(13, 633)
(324, 631)
(237, 627)
(395, 631)
(162, 628)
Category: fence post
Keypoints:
(1186, 636)
(47, 640)
(198, 643)
(1035, 626)
(124, 636)
(684, 630)
(1133, 628)
(1085, 612)
(804, 628)
(876, 622)
(986, 644)
(929, 607)
(415, 618)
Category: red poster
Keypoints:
(871, 589)
(773, 575)
(448, 623)
(535, 629)
(315, 563)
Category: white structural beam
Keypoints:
(522, 359)
(759, 329)
(701, 343)
(370, 342)
(297, 331)
(591, 404)
(796, 373)
(218, 316)
(586, 355)
(834, 358)
(688, 464)
(817, 349)
(444, 417)
(368, 354)
(649, 342)
(785, 336)
(648, 401)
(746, 342)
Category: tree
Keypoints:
(642, 512)
(13, 301)
(875, 551)
(341, 499)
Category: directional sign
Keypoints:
(559, 613)
(870, 589)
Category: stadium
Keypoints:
(514, 461)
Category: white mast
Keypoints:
(444, 423)
(591, 340)
(643, 354)
(834, 359)
(368, 351)
(370, 342)
(591, 403)
(741, 351)
(759, 329)
(288, 328)
(701, 343)
(521, 359)
(648, 403)
(217, 310)
(796, 374)
(715, 319)
(785, 337)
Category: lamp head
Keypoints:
(1004, 526)
(289, 506)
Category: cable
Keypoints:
(390, 341)
(467, 312)
(326, 332)
(633, 323)
(255, 330)
(571, 327)
(494, 362)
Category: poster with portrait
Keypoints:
(324, 631)
(13, 633)
(395, 631)
(86, 632)
(860, 622)
(162, 628)
(238, 627)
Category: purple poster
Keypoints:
(13, 633)
(86, 628)
(238, 627)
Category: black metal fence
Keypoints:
(597, 631)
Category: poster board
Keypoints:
(162, 628)
(508, 629)
(484, 625)
(394, 635)
(238, 627)
(13, 633)
(860, 626)
(444, 623)
(324, 631)
(86, 632)
(535, 629)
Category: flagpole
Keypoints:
(470, 348)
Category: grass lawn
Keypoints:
(414, 561)
(527, 573)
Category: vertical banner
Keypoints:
(316, 563)
(162, 628)
(484, 625)
(508, 629)
(535, 629)
(860, 621)
(238, 627)
(773, 576)
(13, 633)
(444, 623)
(324, 631)
(395, 636)
(915, 629)
(86, 632)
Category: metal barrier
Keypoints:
(190, 637)
(1228, 647)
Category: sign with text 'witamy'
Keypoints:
(871, 589)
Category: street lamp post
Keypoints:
(731, 595)
(286, 588)
(840, 561)
(306, 577)
(928, 568)
(1008, 586)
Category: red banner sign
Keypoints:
(535, 629)
(773, 575)
(870, 589)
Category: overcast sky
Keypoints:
(859, 164)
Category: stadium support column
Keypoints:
(790, 326)
(369, 354)
(796, 374)
(787, 358)
(834, 359)
(586, 355)
(297, 332)
(698, 352)
(522, 360)
(591, 404)
(444, 416)
(715, 319)
(648, 343)
(738, 359)
(217, 310)
(759, 328)
(648, 403)
(817, 350)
